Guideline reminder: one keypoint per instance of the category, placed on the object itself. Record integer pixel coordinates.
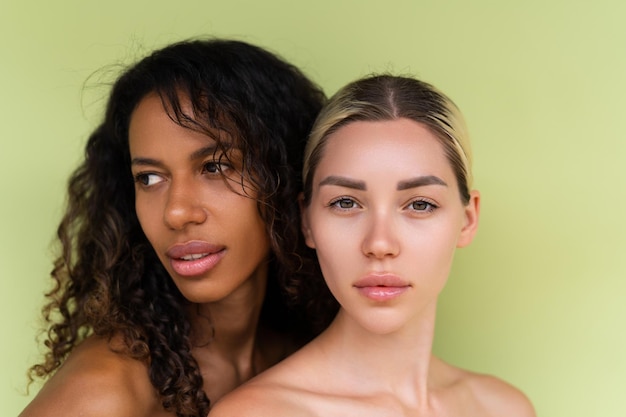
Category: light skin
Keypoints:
(206, 230)
(385, 218)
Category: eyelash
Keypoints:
(429, 205)
(334, 204)
(211, 168)
(220, 167)
(143, 179)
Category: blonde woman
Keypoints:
(387, 200)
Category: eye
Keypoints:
(148, 179)
(344, 203)
(216, 167)
(422, 206)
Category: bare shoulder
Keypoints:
(274, 393)
(470, 393)
(259, 400)
(95, 381)
(500, 398)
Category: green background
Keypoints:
(538, 299)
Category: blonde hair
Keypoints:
(388, 97)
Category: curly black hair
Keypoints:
(108, 279)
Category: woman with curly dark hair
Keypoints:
(182, 270)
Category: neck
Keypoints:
(224, 333)
(396, 362)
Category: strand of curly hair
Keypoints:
(107, 279)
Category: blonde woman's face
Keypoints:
(385, 218)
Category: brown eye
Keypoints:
(216, 167)
(148, 180)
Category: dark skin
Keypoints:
(179, 199)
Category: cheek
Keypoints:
(331, 235)
(334, 267)
(434, 250)
(148, 215)
(141, 212)
(338, 253)
(242, 211)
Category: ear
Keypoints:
(470, 225)
(306, 230)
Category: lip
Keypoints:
(202, 257)
(382, 287)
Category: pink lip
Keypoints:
(210, 256)
(382, 287)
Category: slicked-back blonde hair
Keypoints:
(388, 97)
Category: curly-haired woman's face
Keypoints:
(197, 212)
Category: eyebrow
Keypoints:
(145, 162)
(402, 185)
(198, 154)
(420, 182)
(344, 182)
(203, 152)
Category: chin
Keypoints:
(197, 293)
(382, 323)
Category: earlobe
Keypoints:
(471, 216)
(304, 225)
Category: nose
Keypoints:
(183, 207)
(381, 239)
